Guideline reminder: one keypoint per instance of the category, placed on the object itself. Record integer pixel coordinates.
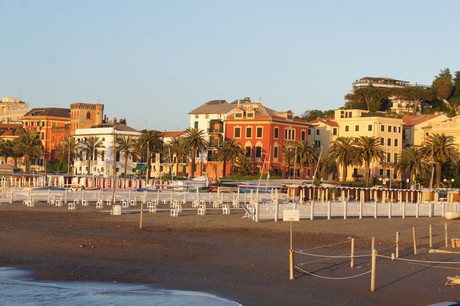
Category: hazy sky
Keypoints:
(154, 61)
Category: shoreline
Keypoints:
(226, 256)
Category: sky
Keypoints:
(152, 62)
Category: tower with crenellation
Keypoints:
(85, 115)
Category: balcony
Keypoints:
(217, 129)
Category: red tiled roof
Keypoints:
(325, 121)
(411, 120)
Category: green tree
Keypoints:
(29, 145)
(195, 141)
(367, 149)
(369, 98)
(229, 152)
(89, 148)
(67, 151)
(126, 145)
(342, 149)
(304, 154)
(6, 149)
(440, 149)
(455, 99)
(415, 94)
(442, 85)
(150, 141)
(412, 164)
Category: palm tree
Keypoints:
(149, 141)
(440, 149)
(195, 142)
(304, 154)
(229, 152)
(176, 147)
(342, 150)
(126, 145)
(30, 145)
(368, 149)
(67, 151)
(412, 164)
(90, 146)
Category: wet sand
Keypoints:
(226, 255)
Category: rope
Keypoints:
(332, 278)
(325, 246)
(330, 256)
(422, 261)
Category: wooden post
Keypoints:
(417, 209)
(312, 209)
(445, 234)
(415, 240)
(389, 210)
(397, 244)
(375, 209)
(430, 230)
(345, 209)
(329, 210)
(352, 255)
(404, 210)
(141, 215)
(291, 255)
(374, 264)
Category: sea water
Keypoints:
(17, 288)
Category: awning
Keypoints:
(140, 167)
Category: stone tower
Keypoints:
(85, 115)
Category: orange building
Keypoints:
(52, 124)
(262, 132)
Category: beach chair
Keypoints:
(84, 202)
(202, 210)
(174, 213)
(248, 212)
(99, 204)
(226, 209)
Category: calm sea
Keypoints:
(17, 288)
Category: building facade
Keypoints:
(12, 110)
(355, 122)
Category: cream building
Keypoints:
(12, 110)
(414, 127)
(355, 123)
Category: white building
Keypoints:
(103, 161)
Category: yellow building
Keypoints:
(356, 122)
(449, 127)
(414, 127)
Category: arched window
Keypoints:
(88, 115)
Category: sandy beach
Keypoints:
(227, 255)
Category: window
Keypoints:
(317, 143)
(248, 132)
(276, 133)
(395, 157)
(275, 152)
(389, 128)
(399, 129)
(317, 132)
(237, 132)
(259, 132)
(356, 128)
(43, 123)
(382, 141)
(258, 151)
(88, 115)
(43, 135)
(382, 128)
(347, 128)
(395, 129)
(381, 172)
(396, 142)
(248, 151)
(334, 131)
(195, 124)
(389, 142)
(309, 131)
(239, 115)
(369, 127)
(388, 157)
(304, 136)
(250, 115)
